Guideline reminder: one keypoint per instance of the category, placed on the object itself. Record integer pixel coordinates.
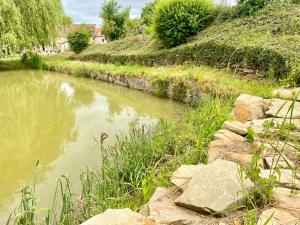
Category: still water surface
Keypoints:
(56, 119)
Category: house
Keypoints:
(97, 36)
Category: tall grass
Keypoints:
(131, 170)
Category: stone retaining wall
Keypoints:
(187, 91)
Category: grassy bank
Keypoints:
(184, 77)
(265, 43)
(11, 64)
(131, 170)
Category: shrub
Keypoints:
(32, 60)
(177, 20)
(79, 40)
(248, 7)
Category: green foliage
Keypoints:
(266, 46)
(148, 13)
(79, 40)
(180, 80)
(32, 60)
(29, 23)
(134, 27)
(67, 21)
(132, 169)
(115, 19)
(249, 7)
(177, 20)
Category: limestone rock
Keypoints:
(227, 135)
(287, 199)
(281, 108)
(272, 125)
(278, 161)
(289, 149)
(163, 210)
(236, 127)
(119, 217)
(182, 176)
(236, 151)
(288, 94)
(215, 189)
(277, 217)
(286, 178)
(248, 107)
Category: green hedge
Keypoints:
(271, 62)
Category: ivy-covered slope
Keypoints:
(267, 42)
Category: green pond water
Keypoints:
(56, 119)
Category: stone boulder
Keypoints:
(287, 199)
(281, 109)
(236, 127)
(276, 216)
(163, 210)
(236, 151)
(288, 94)
(119, 217)
(227, 135)
(182, 176)
(278, 161)
(248, 107)
(216, 188)
(285, 178)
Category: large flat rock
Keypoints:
(163, 210)
(287, 199)
(285, 178)
(235, 151)
(215, 189)
(182, 176)
(275, 216)
(261, 125)
(119, 217)
(289, 94)
(278, 161)
(282, 109)
(227, 135)
(248, 107)
(236, 127)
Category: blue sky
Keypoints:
(87, 11)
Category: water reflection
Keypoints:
(54, 118)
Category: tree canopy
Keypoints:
(115, 19)
(28, 23)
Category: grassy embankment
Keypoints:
(264, 43)
(11, 64)
(146, 159)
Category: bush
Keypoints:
(177, 20)
(79, 40)
(32, 60)
(248, 7)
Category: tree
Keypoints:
(115, 19)
(10, 25)
(67, 21)
(29, 23)
(79, 40)
(147, 14)
(135, 27)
